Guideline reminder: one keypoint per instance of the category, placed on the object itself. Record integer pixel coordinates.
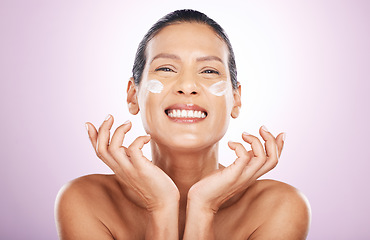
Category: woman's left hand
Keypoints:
(212, 191)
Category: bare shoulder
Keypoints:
(80, 190)
(75, 208)
(92, 207)
(89, 184)
(272, 190)
(282, 211)
(86, 189)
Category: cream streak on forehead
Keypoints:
(154, 86)
(218, 88)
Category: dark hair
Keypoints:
(180, 16)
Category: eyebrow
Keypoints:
(166, 55)
(175, 57)
(209, 58)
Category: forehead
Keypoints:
(188, 40)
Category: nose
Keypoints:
(187, 85)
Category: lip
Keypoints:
(188, 106)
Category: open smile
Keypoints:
(186, 113)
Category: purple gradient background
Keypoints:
(304, 68)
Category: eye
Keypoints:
(211, 71)
(164, 69)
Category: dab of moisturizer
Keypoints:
(154, 86)
(218, 88)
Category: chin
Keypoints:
(187, 142)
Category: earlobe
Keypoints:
(132, 102)
(237, 102)
(235, 112)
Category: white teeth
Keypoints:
(177, 113)
(190, 114)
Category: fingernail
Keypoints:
(127, 122)
(107, 118)
(265, 128)
(87, 127)
(284, 136)
(246, 134)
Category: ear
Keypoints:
(132, 102)
(237, 102)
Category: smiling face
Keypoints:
(185, 96)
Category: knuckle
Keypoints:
(100, 151)
(98, 154)
(111, 149)
(230, 181)
(274, 162)
(130, 150)
(263, 159)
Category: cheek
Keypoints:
(148, 92)
(222, 107)
(150, 109)
(218, 89)
(222, 111)
(221, 94)
(154, 86)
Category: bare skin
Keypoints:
(183, 193)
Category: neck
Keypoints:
(184, 167)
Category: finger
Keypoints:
(270, 142)
(135, 150)
(259, 159)
(280, 140)
(103, 137)
(256, 145)
(119, 135)
(115, 147)
(93, 134)
(237, 167)
(271, 152)
(240, 151)
(271, 163)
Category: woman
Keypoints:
(184, 85)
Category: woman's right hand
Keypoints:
(132, 168)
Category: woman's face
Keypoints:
(185, 96)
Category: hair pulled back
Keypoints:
(181, 16)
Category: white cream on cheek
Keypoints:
(218, 88)
(154, 86)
